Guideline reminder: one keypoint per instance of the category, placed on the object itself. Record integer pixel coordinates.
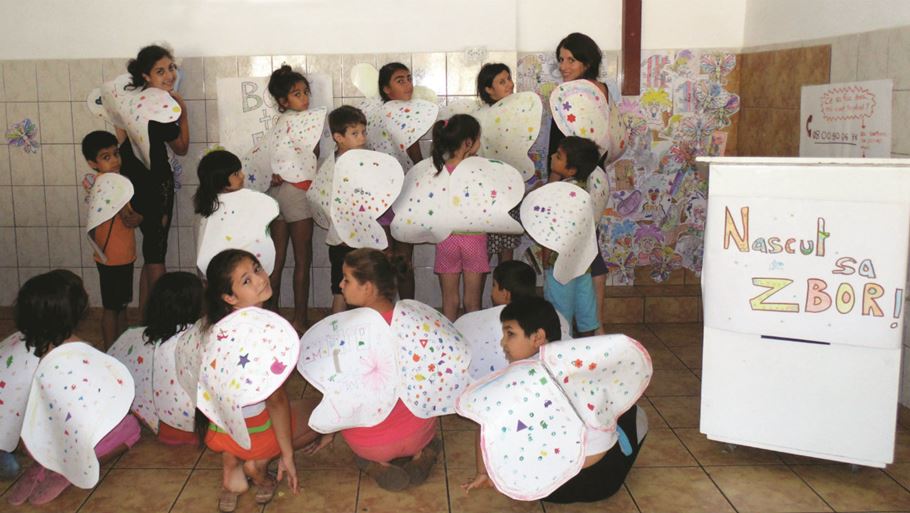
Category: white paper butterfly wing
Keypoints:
(319, 194)
(95, 103)
(191, 347)
(131, 350)
(241, 222)
(293, 139)
(110, 193)
(599, 190)
(174, 406)
(378, 137)
(132, 109)
(406, 122)
(79, 395)
(350, 357)
(482, 193)
(420, 214)
(579, 108)
(603, 376)
(257, 166)
(366, 184)
(509, 128)
(558, 217)
(469, 106)
(532, 440)
(482, 331)
(18, 366)
(433, 359)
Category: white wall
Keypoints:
(53, 29)
(783, 21)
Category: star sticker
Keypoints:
(244, 359)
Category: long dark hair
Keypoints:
(214, 172)
(450, 134)
(385, 76)
(373, 266)
(48, 308)
(585, 51)
(174, 304)
(485, 79)
(218, 283)
(282, 81)
(143, 64)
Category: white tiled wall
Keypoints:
(42, 205)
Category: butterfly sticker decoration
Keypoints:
(23, 134)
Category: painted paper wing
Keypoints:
(18, 366)
(509, 128)
(241, 222)
(133, 109)
(420, 208)
(109, 193)
(366, 183)
(599, 190)
(174, 406)
(580, 108)
(292, 141)
(320, 196)
(131, 350)
(482, 191)
(191, 346)
(482, 331)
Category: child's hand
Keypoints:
(276, 180)
(130, 217)
(480, 481)
(177, 96)
(286, 466)
(314, 446)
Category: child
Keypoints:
(396, 83)
(236, 280)
(370, 281)
(494, 82)
(513, 279)
(47, 311)
(219, 172)
(573, 162)
(291, 91)
(461, 253)
(527, 324)
(175, 304)
(349, 127)
(117, 240)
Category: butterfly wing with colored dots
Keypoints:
(406, 122)
(241, 222)
(109, 193)
(350, 357)
(95, 104)
(250, 354)
(131, 350)
(470, 106)
(580, 108)
(292, 141)
(174, 406)
(132, 109)
(78, 396)
(257, 167)
(319, 195)
(482, 191)
(558, 217)
(19, 365)
(509, 128)
(378, 137)
(599, 190)
(420, 208)
(190, 347)
(531, 438)
(366, 183)
(433, 359)
(482, 331)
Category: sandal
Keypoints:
(418, 469)
(389, 477)
(265, 492)
(48, 489)
(227, 501)
(25, 486)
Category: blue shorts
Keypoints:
(574, 300)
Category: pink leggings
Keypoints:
(126, 433)
(398, 448)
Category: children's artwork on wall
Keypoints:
(109, 193)
(558, 217)
(352, 193)
(363, 366)
(475, 197)
(249, 355)
(23, 134)
(131, 350)
(241, 222)
(79, 395)
(533, 414)
(247, 115)
(846, 120)
(19, 365)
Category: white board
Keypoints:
(846, 120)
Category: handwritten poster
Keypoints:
(846, 120)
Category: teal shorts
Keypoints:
(574, 300)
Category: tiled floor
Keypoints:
(678, 471)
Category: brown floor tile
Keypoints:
(639, 332)
(620, 502)
(689, 354)
(655, 421)
(337, 455)
(673, 382)
(671, 309)
(902, 447)
(766, 489)
(709, 452)
(150, 453)
(323, 491)
(900, 472)
(147, 490)
(622, 309)
(678, 334)
(460, 449)
(662, 448)
(865, 489)
(484, 500)
(664, 359)
(675, 490)
(210, 460)
(457, 423)
(679, 412)
(200, 495)
(429, 497)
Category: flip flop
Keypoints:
(265, 492)
(49, 489)
(227, 501)
(418, 469)
(26, 485)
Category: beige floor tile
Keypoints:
(674, 335)
(662, 448)
(620, 502)
(902, 447)
(457, 423)
(655, 421)
(210, 460)
(460, 449)
(150, 453)
(147, 490)
(200, 495)
(640, 332)
(663, 359)
(796, 459)
(709, 452)
(900, 472)
(865, 489)
(675, 490)
(429, 497)
(679, 412)
(673, 382)
(689, 354)
(337, 455)
(323, 491)
(483, 500)
(766, 489)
